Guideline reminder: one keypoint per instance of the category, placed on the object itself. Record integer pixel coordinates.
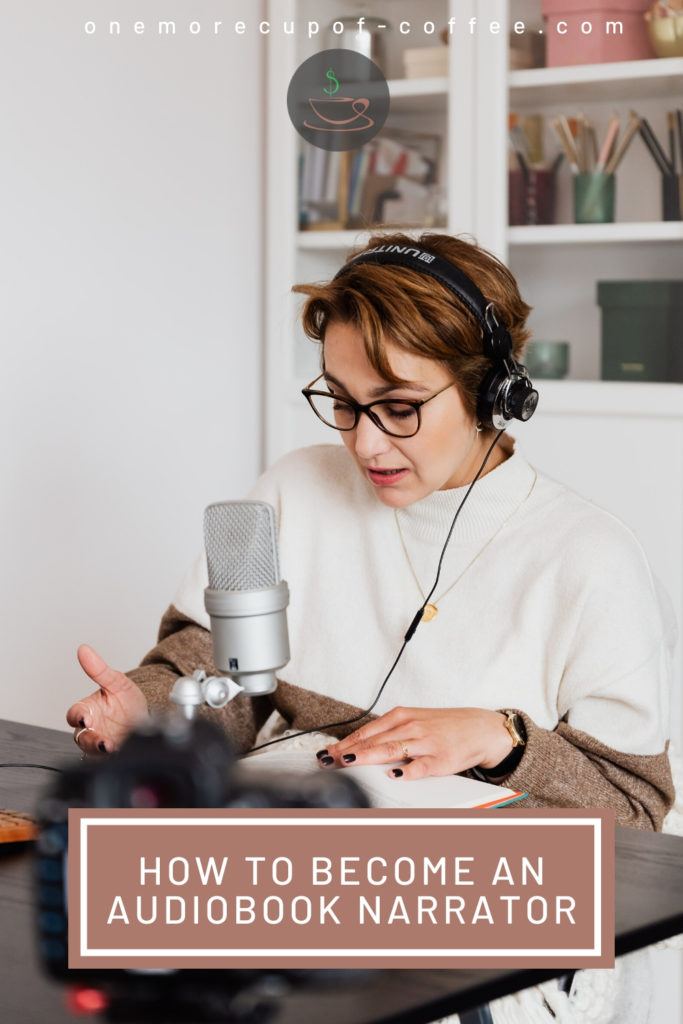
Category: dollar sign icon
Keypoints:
(333, 78)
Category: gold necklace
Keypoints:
(430, 610)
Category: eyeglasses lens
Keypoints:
(397, 418)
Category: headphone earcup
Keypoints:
(488, 393)
(504, 397)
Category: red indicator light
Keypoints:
(86, 1000)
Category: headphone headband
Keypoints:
(427, 263)
(506, 393)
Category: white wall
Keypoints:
(632, 465)
(130, 266)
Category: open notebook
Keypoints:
(442, 791)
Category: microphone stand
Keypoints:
(190, 692)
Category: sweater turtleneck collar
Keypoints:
(494, 498)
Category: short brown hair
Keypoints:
(416, 312)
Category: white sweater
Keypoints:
(559, 615)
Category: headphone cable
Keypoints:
(409, 634)
(406, 640)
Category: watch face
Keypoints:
(518, 723)
(516, 728)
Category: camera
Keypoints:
(170, 762)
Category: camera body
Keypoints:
(169, 762)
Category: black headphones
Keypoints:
(506, 392)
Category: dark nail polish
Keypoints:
(327, 760)
(101, 746)
(321, 753)
(348, 758)
(397, 772)
(81, 722)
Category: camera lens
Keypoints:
(147, 794)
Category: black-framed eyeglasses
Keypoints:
(398, 418)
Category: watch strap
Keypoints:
(504, 767)
(510, 762)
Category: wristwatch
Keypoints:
(514, 723)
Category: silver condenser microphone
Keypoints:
(246, 599)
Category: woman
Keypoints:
(541, 658)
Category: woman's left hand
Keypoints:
(433, 741)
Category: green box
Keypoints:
(642, 330)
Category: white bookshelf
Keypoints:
(401, 87)
(619, 443)
(479, 91)
(413, 95)
(612, 398)
(628, 232)
(618, 81)
(540, 234)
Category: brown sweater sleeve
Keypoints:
(183, 646)
(566, 767)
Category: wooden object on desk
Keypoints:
(16, 827)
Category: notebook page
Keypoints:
(382, 791)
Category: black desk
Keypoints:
(649, 907)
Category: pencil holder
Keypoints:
(594, 198)
(531, 196)
(672, 197)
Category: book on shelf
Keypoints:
(323, 186)
(360, 169)
(389, 180)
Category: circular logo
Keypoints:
(338, 99)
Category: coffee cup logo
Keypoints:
(334, 112)
(338, 99)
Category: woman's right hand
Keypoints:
(111, 712)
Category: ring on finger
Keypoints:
(404, 750)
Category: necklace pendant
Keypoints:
(430, 612)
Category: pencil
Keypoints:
(571, 142)
(556, 162)
(582, 145)
(520, 140)
(617, 156)
(652, 143)
(572, 129)
(671, 119)
(679, 121)
(533, 126)
(594, 143)
(610, 140)
(519, 145)
(567, 144)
